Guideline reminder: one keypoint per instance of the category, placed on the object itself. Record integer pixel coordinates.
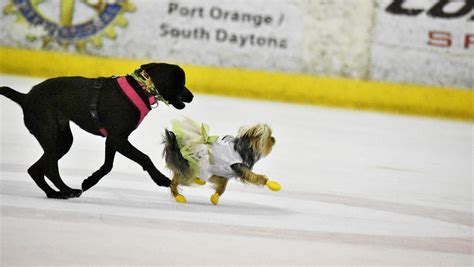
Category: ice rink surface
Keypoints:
(358, 188)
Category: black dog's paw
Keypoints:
(56, 195)
(75, 193)
(72, 193)
(87, 184)
(165, 182)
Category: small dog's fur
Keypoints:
(251, 143)
(51, 105)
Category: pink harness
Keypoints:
(128, 90)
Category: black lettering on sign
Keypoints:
(256, 20)
(198, 33)
(396, 7)
(438, 10)
(249, 40)
(221, 35)
(183, 11)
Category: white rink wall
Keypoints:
(352, 39)
(422, 41)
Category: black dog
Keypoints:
(100, 106)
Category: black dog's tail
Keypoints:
(13, 95)
(173, 157)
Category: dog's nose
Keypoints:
(186, 95)
(178, 104)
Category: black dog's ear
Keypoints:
(147, 66)
(186, 95)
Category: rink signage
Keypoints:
(445, 39)
(442, 10)
(424, 42)
(63, 30)
(214, 33)
(216, 21)
(435, 9)
(220, 14)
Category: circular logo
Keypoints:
(71, 22)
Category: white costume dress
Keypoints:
(224, 156)
(206, 155)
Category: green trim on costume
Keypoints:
(188, 145)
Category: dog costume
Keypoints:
(196, 157)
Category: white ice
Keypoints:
(358, 188)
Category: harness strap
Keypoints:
(93, 106)
(131, 94)
(134, 97)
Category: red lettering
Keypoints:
(440, 39)
(468, 40)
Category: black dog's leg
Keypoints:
(64, 142)
(123, 146)
(52, 172)
(103, 170)
(55, 139)
(36, 172)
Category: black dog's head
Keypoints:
(170, 81)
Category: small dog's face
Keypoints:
(260, 136)
(170, 81)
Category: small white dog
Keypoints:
(194, 157)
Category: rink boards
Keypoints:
(298, 88)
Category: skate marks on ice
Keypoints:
(434, 244)
(440, 214)
(141, 208)
(145, 208)
(121, 198)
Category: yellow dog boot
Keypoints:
(180, 199)
(199, 181)
(274, 186)
(215, 198)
